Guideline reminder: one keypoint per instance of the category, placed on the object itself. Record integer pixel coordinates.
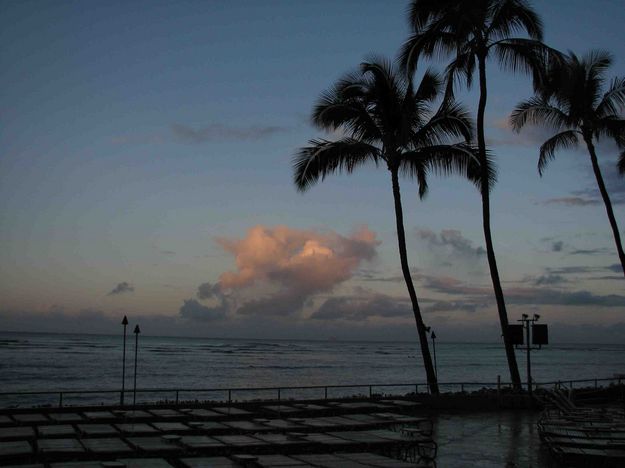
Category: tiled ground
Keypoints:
(503, 439)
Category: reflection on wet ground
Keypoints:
(489, 439)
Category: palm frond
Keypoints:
(513, 16)
(613, 127)
(614, 99)
(538, 111)
(461, 68)
(522, 55)
(450, 120)
(431, 43)
(423, 12)
(562, 140)
(444, 160)
(621, 163)
(322, 157)
(428, 88)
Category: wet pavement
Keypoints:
(490, 439)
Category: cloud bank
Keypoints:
(280, 269)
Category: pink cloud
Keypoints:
(294, 264)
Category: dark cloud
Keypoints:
(590, 195)
(168, 252)
(219, 132)
(451, 306)
(599, 251)
(193, 310)
(281, 304)
(359, 308)
(208, 291)
(452, 286)
(121, 288)
(452, 242)
(571, 201)
(548, 296)
(615, 267)
(549, 280)
(557, 246)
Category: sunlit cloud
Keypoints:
(284, 268)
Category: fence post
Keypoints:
(461, 388)
(498, 385)
(176, 396)
(278, 394)
(370, 393)
(595, 384)
(229, 396)
(416, 389)
(60, 399)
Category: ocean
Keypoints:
(59, 362)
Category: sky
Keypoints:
(145, 170)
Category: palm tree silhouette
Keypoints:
(573, 103)
(386, 121)
(473, 32)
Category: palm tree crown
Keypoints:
(472, 32)
(386, 121)
(573, 103)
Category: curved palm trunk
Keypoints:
(403, 255)
(606, 199)
(490, 251)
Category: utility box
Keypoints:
(540, 334)
(515, 334)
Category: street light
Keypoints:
(433, 336)
(121, 396)
(134, 391)
(539, 337)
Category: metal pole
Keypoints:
(121, 396)
(434, 349)
(529, 363)
(134, 391)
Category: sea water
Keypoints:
(57, 362)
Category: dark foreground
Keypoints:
(342, 433)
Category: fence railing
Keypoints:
(279, 393)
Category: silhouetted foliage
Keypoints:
(572, 102)
(386, 121)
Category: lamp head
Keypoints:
(125, 321)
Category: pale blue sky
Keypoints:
(134, 133)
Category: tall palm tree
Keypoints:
(572, 101)
(472, 32)
(386, 121)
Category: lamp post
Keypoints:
(433, 336)
(121, 396)
(134, 391)
(539, 337)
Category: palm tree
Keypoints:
(473, 32)
(572, 102)
(386, 121)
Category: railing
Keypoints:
(314, 392)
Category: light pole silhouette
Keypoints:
(433, 336)
(121, 396)
(134, 391)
